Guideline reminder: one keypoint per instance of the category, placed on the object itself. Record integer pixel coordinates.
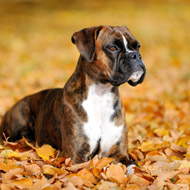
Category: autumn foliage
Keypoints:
(36, 53)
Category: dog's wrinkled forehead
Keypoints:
(121, 33)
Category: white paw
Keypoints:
(130, 169)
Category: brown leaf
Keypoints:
(177, 186)
(11, 173)
(136, 154)
(169, 152)
(40, 182)
(161, 166)
(75, 180)
(32, 169)
(70, 186)
(138, 180)
(104, 185)
(177, 148)
(115, 173)
(76, 167)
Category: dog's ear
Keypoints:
(85, 41)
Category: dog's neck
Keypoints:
(82, 80)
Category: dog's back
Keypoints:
(20, 119)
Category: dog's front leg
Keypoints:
(119, 151)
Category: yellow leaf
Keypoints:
(59, 171)
(129, 117)
(187, 155)
(149, 146)
(161, 132)
(45, 152)
(175, 158)
(13, 155)
(184, 164)
(1, 147)
(23, 183)
(50, 170)
(87, 177)
(146, 146)
(183, 141)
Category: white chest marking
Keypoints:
(99, 108)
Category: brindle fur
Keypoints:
(56, 116)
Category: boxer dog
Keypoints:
(86, 117)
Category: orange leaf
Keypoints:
(135, 179)
(27, 143)
(103, 162)
(87, 177)
(7, 167)
(23, 183)
(115, 173)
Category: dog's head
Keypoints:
(111, 54)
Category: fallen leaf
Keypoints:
(32, 169)
(183, 141)
(161, 132)
(76, 167)
(150, 146)
(184, 164)
(104, 185)
(87, 177)
(7, 167)
(103, 163)
(138, 180)
(115, 173)
(22, 183)
(75, 180)
(10, 174)
(46, 151)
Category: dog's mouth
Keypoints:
(136, 78)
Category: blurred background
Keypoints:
(36, 53)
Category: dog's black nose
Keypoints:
(134, 55)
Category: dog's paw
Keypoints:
(130, 169)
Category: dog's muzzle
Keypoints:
(137, 68)
(131, 69)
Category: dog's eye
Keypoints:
(112, 48)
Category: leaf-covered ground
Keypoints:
(36, 53)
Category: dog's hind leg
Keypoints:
(18, 122)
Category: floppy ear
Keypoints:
(85, 41)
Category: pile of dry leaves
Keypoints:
(164, 164)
